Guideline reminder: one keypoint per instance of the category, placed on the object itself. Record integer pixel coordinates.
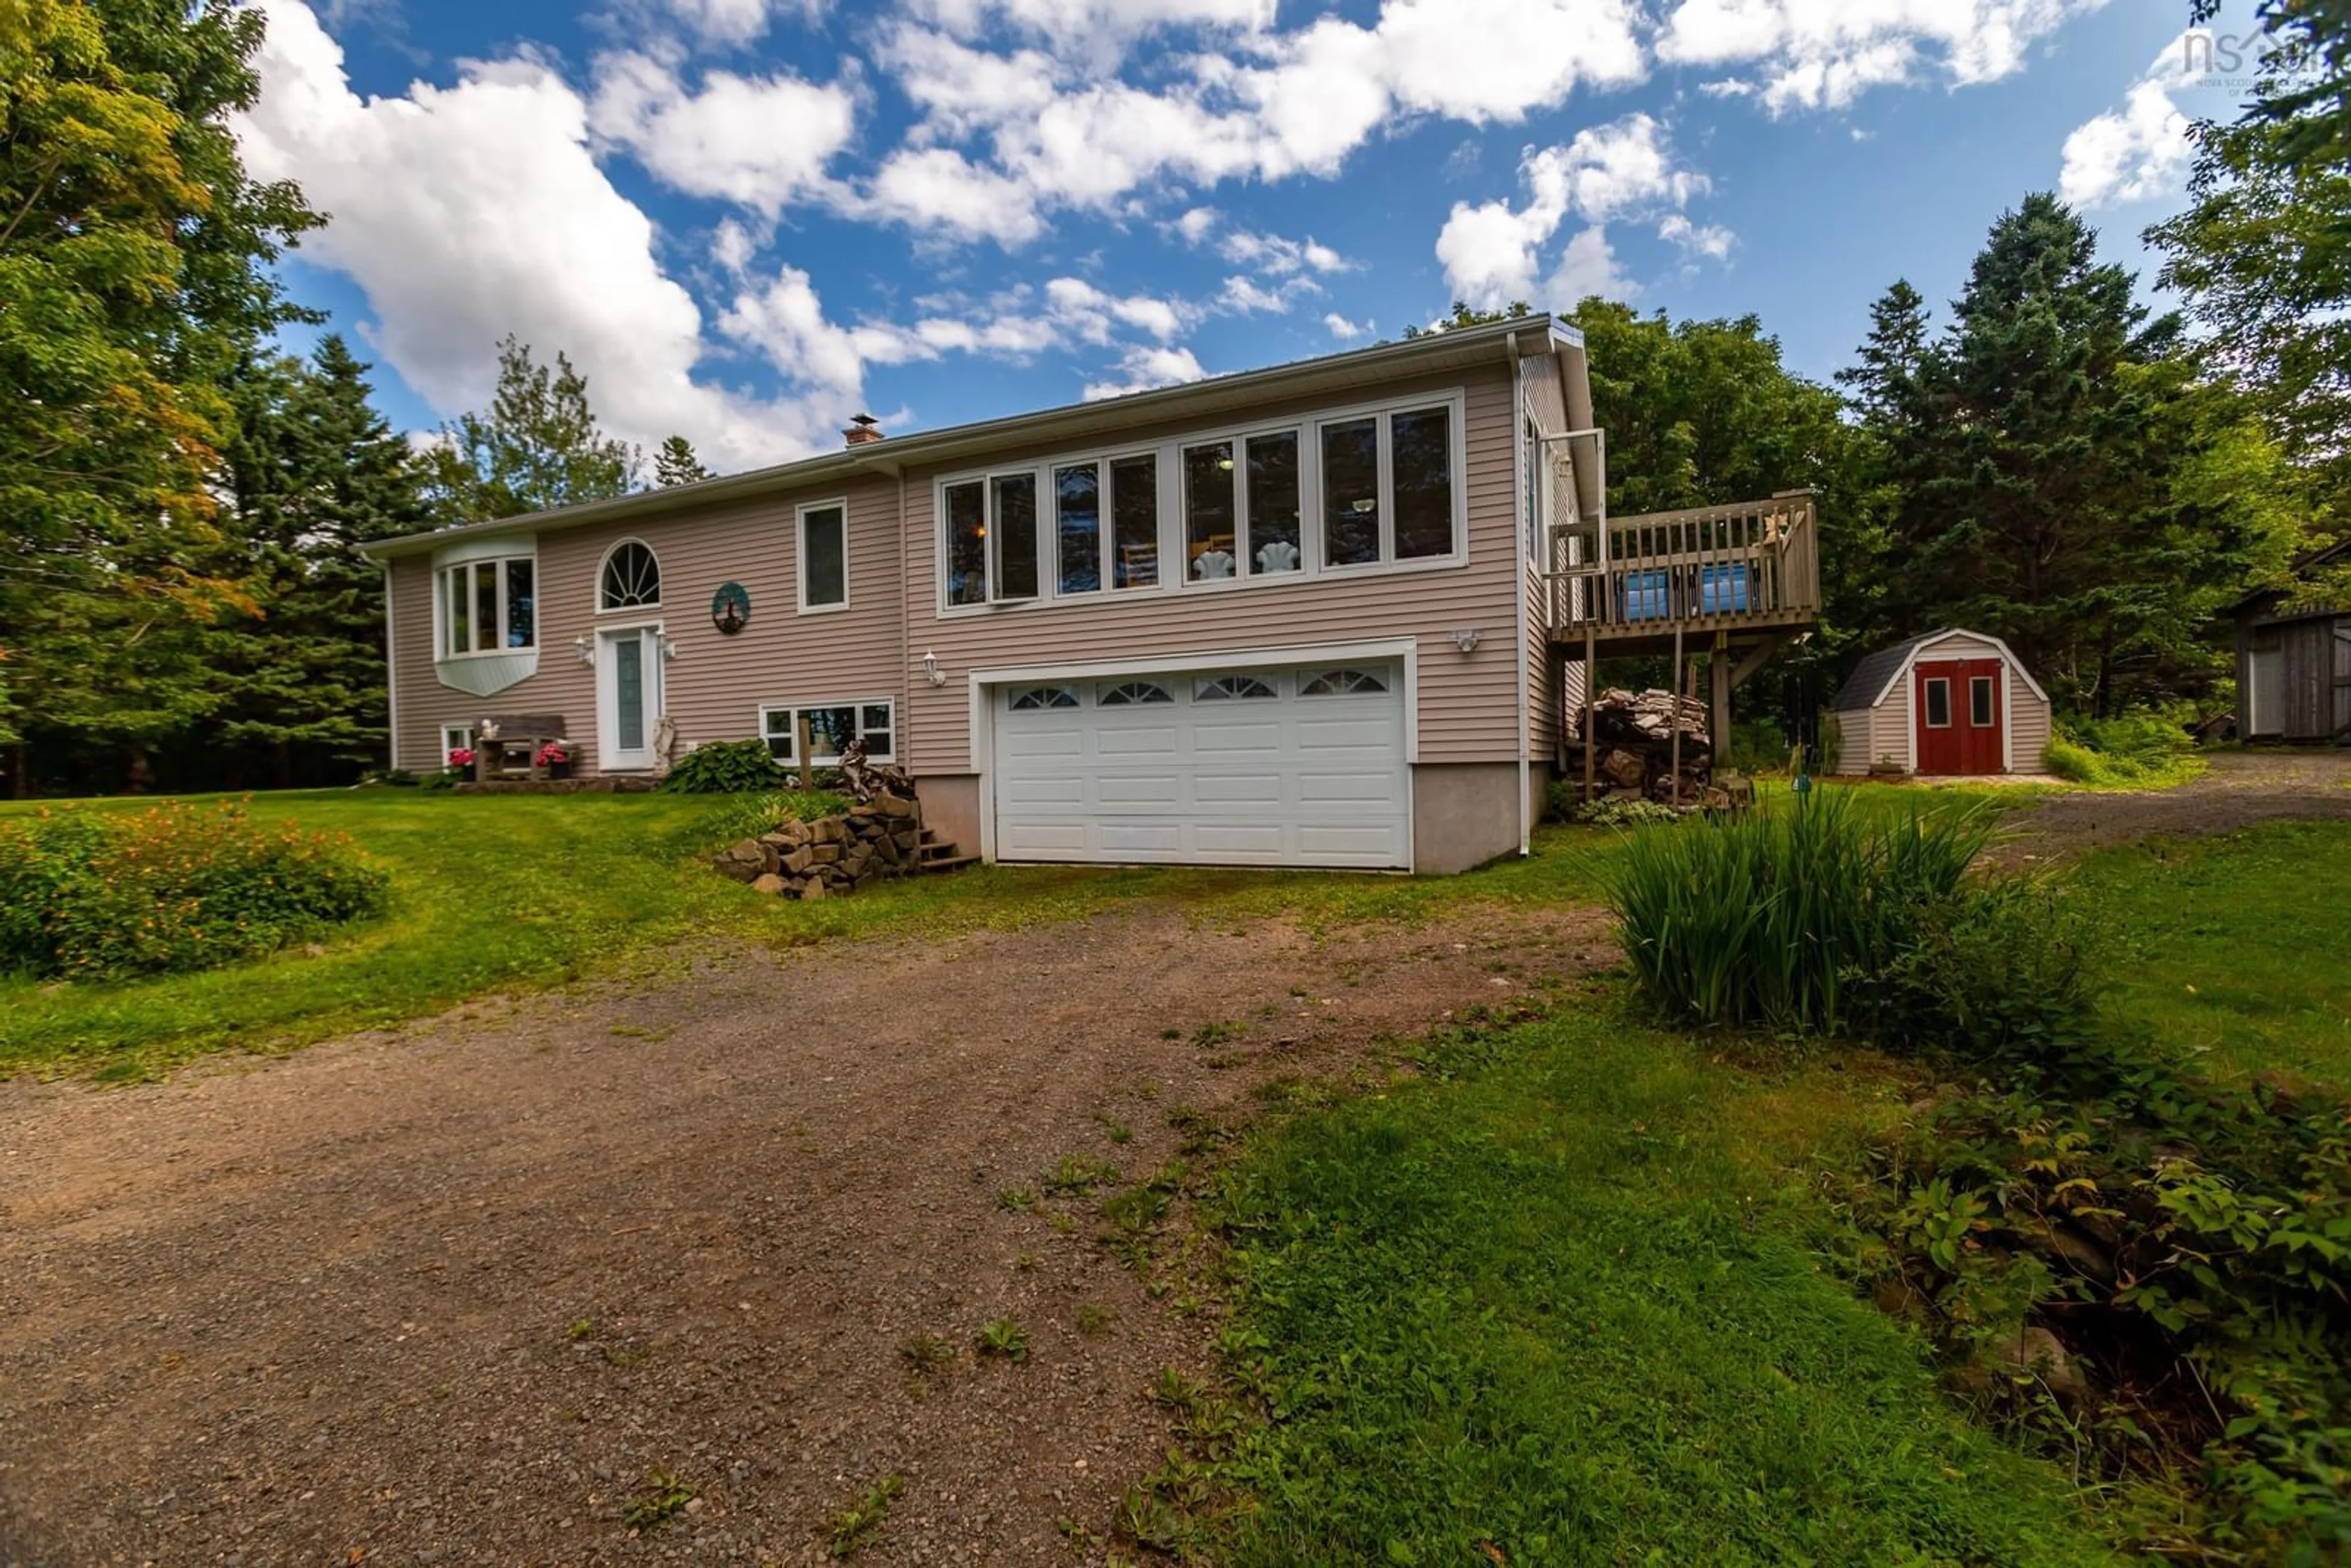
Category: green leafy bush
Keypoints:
(748, 816)
(1611, 813)
(723, 768)
(1791, 917)
(103, 895)
(2143, 749)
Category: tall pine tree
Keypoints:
(674, 462)
(314, 474)
(538, 447)
(2057, 474)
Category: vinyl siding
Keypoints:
(1469, 702)
(713, 684)
(2028, 724)
(1547, 684)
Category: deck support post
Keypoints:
(1681, 682)
(1718, 670)
(1591, 706)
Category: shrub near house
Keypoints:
(93, 895)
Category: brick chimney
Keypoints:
(863, 429)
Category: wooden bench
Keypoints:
(519, 739)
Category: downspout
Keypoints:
(905, 643)
(1518, 552)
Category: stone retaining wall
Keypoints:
(833, 855)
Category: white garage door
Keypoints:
(1230, 767)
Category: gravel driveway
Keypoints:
(2239, 789)
(453, 1294)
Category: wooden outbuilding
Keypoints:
(1952, 702)
(2293, 662)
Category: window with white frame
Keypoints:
(455, 737)
(991, 538)
(824, 556)
(631, 579)
(1382, 487)
(831, 727)
(488, 606)
(1389, 491)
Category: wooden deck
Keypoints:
(1740, 576)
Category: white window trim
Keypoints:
(800, 551)
(1926, 709)
(857, 703)
(441, 652)
(596, 587)
(1105, 526)
(1992, 683)
(1308, 423)
(465, 733)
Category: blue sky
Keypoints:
(748, 220)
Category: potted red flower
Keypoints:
(461, 759)
(555, 759)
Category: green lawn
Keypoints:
(2236, 947)
(1559, 1301)
(496, 892)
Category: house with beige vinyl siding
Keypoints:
(1310, 615)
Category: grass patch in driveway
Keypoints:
(1553, 1298)
(2238, 947)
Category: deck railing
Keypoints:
(1754, 563)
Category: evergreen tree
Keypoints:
(2057, 474)
(314, 474)
(675, 464)
(134, 274)
(538, 447)
(2263, 254)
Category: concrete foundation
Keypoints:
(951, 806)
(1463, 815)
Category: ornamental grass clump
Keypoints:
(1788, 919)
(91, 895)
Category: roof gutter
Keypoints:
(893, 456)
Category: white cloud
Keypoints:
(454, 247)
(1709, 240)
(1824, 54)
(1278, 255)
(761, 141)
(2137, 151)
(1246, 296)
(1347, 331)
(1491, 251)
(1147, 368)
(1588, 267)
(1197, 224)
(940, 188)
(724, 22)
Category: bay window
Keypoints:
(488, 606)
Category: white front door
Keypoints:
(628, 698)
(1249, 766)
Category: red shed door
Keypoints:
(1959, 706)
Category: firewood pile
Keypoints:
(1634, 749)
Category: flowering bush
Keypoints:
(552, 754)
(101, 895)
(461, 756)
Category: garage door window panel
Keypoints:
(1238, 688)
(1038, 699)
(1134, 693)
(1341, 683)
